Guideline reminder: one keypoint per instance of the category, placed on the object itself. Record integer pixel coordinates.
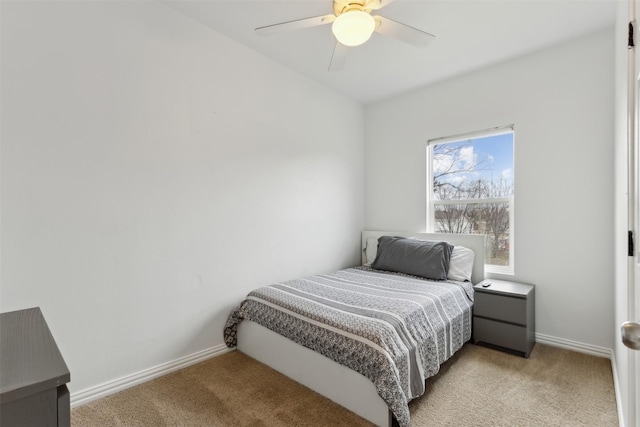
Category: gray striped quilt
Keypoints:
(394, 329)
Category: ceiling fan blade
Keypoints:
(298, 24)
(376, 4)
(402, 32)
(339, 57)
(383, 3)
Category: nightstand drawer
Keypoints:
(505, 308)
(500, 334)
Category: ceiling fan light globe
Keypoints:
(353, 28)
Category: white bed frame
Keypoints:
(321, 374)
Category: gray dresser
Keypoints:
(504, 315)
(33, 374)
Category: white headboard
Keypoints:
(474, 242)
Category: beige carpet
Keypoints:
(477, 387)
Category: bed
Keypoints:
(273, 326)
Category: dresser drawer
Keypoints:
(500, 334)
(499, 307)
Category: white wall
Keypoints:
(153, 172)
(561, 103)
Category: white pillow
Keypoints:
(461, 264)
(370, 250)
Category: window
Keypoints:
(470, 191)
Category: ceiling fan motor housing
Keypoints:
(342, 6)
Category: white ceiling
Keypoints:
(470, 34)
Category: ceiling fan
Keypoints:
(352, 25)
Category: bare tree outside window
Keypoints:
(473, 192)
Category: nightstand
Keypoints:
(33, 374)
(504, 315)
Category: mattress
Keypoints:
(394, 329)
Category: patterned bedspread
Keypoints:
(394, 329)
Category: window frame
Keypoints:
(431, 203)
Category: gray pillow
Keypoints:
(416, 257)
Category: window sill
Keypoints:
(499, 269)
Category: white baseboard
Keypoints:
(111, 387)
(580, 347)
(103, 390)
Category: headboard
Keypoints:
(474, 242)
